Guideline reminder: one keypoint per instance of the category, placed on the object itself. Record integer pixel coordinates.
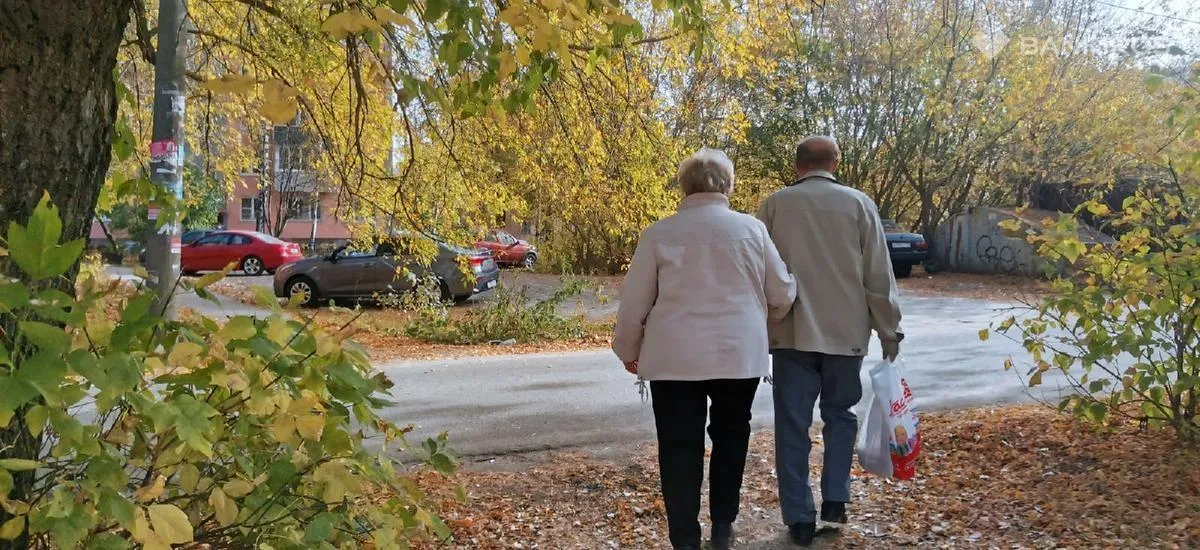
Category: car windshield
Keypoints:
(892, 227)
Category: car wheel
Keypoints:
(306, 289)
(445, 291)
(530, 260)
(252, 266)
(902, 270)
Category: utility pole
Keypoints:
(167, 156)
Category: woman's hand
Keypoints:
(631, 366)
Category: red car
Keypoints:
(253, 252)
(508, 250)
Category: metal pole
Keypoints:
(167, 146)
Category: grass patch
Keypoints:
(512, 317)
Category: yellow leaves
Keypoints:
(224, 506)
(522, 54)
(35, 419)
(283, 429)
(209, 278)
(302, 416)
(12, 528)
(184, 354)
(152, 491)
(189, 477)
(386, 15)
(508, 65)
(279, 101)
(326, 344)
(239, 328)
(1098, 209)
(513, 15)
(345, 23)
(231, 84)
(552, 5)
(622, 18)
(277, 331)
(545, 37)
(310, 426)
(984, 334)
(337, 480)
(237, 488)
(170, 524)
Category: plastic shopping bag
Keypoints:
(890, 439)
(873, 451)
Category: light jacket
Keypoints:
(831, 238)
(700, 287)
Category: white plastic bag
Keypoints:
(890, 439)
(873, 452)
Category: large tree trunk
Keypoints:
(57, 104)
(57, 107)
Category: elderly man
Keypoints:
(693, 321)
(831, 238)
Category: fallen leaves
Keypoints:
(1019, 477)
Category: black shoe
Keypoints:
(834, 512)
(802, 533)
(722, 536)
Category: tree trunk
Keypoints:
(57, 107)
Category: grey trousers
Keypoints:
(800, 378)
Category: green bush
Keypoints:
(1122, 326)
(121, 428)
(511, 316)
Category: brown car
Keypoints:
(365, 275)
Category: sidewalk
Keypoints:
(228, 307)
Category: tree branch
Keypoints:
(641, 42)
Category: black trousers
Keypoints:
(680, 409)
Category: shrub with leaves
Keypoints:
(513, 315)
(1123, 325)
(123, 428)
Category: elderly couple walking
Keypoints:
(710, 292)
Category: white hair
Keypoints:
(707, 171)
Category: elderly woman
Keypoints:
(693, 321)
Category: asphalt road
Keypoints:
(502, 405)
(510, 404)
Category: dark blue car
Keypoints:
(906, 249)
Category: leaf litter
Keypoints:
(1012, 477)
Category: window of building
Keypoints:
(306, 209)
(251, 206)
(291, 157)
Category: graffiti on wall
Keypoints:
(997, 254)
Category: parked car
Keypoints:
(364, 275)
(187, 238)
(194, 235)
(509, 250)
(905, 248)
(255, 253)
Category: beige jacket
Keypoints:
(831, 238)
(695, 302)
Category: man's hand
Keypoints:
(891, 349)
(631, 366)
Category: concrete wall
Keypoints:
(972, 242)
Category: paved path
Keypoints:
(499, 405)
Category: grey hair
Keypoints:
(707, 171)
